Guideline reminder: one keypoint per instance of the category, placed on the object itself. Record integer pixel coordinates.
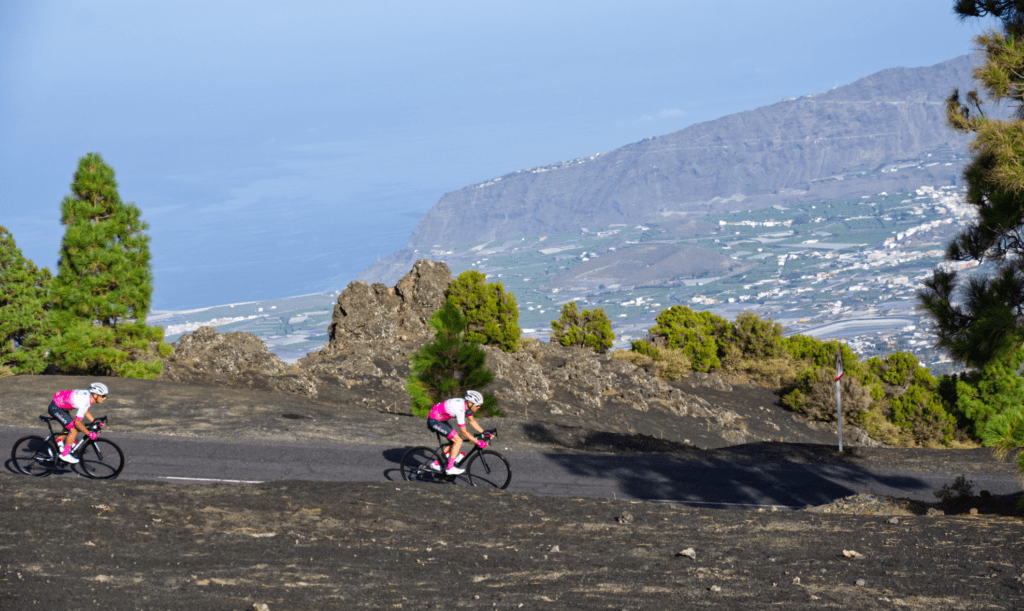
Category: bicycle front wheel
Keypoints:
(33, 455)
(418, 465)
(489, 469)
(101, 459)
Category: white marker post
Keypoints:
(839, 403)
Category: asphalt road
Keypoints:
(701, 483)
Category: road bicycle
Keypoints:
(98, 458)
(484, 468)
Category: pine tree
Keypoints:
(449, 366)
(986, 328)
(587, 329)
(1004, 433)
(981, 318)
(104, 282)
(24, 290)
(492, 315)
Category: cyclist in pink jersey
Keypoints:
(463, 411)
(79, 402)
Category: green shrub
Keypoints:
(920, 412)
(638, 359)
(695, 333)
(755, 348)
(956, 497)
(777, 372)
(751, 337)
(991, 390)
(912, 412)
(893, 398)
(880, 428)
(587, 329)
(673, 365)
(645, 348)
(960, 490)
(492, 315)
(817, 353)
(815, 396)
(896, 369)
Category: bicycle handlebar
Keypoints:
(92, 426)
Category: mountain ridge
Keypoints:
(750, 159)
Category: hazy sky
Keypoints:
(279, 148)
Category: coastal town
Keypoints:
(845, 269)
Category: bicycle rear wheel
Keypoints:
(489, 469)
(417, 465)
(33, 455)
(100, 459)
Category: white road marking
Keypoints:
(689, 502)
(204, 479)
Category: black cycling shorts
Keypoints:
(61, 414)
(439, 426)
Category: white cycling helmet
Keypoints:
(99, 389)
(474, 397)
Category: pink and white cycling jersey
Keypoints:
(452, 408)
(73, 400)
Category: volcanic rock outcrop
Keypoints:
(233, 359)
(388, 321)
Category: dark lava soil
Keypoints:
(79, 544)
(75, 544)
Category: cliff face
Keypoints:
(816, 147)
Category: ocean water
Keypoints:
(311, 217)
(275, 250)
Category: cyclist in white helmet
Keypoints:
(78, 401)
(463, 411)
